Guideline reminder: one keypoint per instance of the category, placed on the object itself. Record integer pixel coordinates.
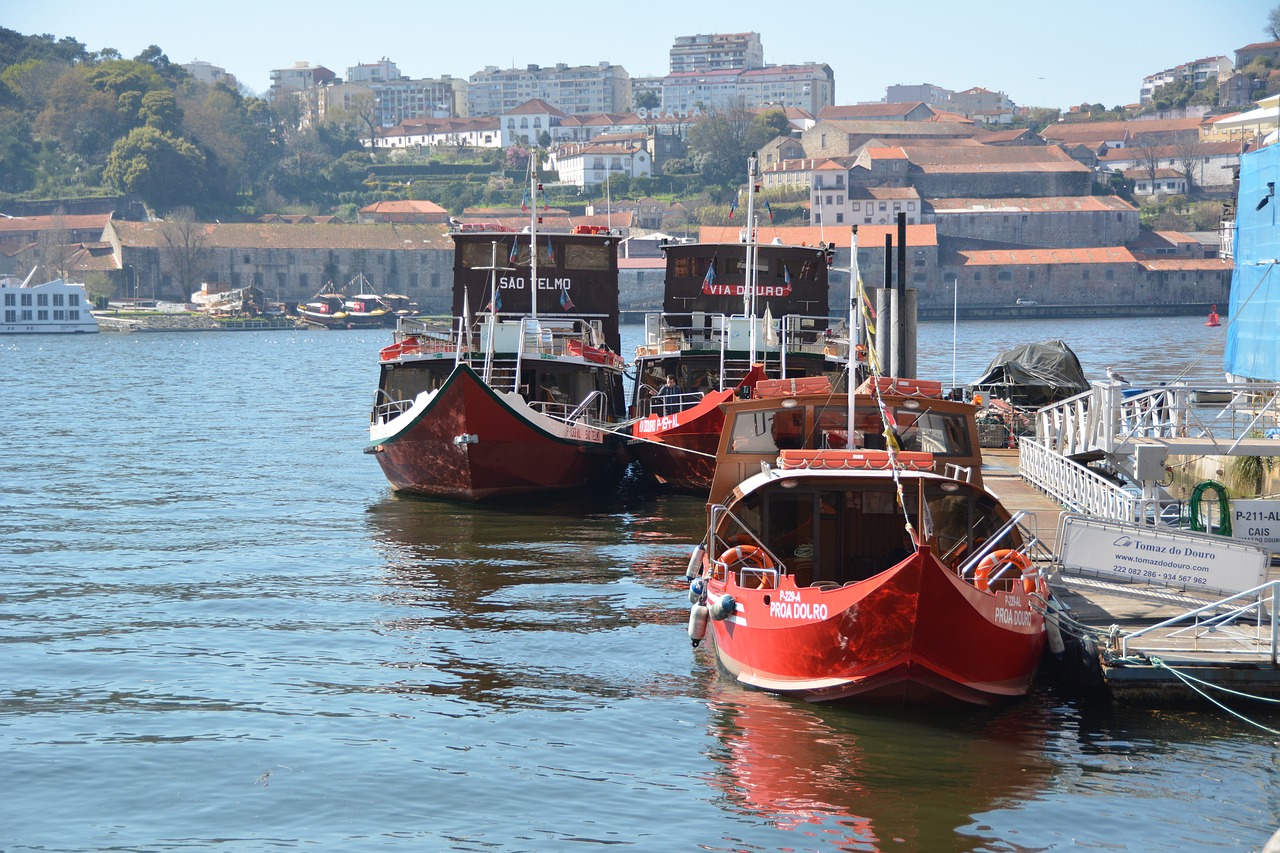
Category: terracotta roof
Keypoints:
(405, 206)
(1006, 257)
(894, 153)
(1103, 131)
(534, 105)
(888, 193)
(1168, 152)
(869, 236)
(280, 236)
(997, 136)
(1168, 264)
(95, 221)
(1143, 174)
(658, 263)
(862, 111)
(898, 129)
(991, 158)
(1047, 204)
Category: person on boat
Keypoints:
(904, 549)
(669, 396)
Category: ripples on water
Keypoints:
(218, 628)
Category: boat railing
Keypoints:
(717, 515)
(386, 409)
(652, 404)
(673, 333)
(1031, 546)
(591, 409)
(1244, 624)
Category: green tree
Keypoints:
(163, 169)
(647, 99)
(766, 127)
(718, 145)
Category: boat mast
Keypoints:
(533, 236)
(854, 296)
(749, 292)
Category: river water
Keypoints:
(219, 629)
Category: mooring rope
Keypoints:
(1193, 682)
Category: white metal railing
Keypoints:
(671, 334)
(1109, 415)
(1075, 486)
(1242, 624)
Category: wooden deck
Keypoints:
(1236, 657)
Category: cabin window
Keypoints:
(11, 299)
(57, 299)
(587, 256)
(42, 299)
(11, 316)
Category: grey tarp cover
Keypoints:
(1034, 374)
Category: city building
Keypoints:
(302, 76)
(1198, 73)
(717, 52)
(602, 88)
(208, 73)
(588, 165)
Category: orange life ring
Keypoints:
(747, 555)
(995, 560)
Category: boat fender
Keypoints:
(697, 623)
(694, 569)
(723, 608)
(697, 591)
(991, 564)
(1054, 635)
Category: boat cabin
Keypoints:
(838, 526)
(756, 430)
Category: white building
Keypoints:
(589, 164)
(717, 52)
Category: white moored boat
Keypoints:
(55, 307)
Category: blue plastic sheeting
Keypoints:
(1253, 326)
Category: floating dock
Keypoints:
(1143, 654)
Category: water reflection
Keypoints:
(854, 780)
(534, 608)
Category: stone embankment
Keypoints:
(109, 321)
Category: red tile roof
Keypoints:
(1006, 257)
(1049, 204)
(302, 236)
(869, 236)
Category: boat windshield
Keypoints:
(826, 427)
(836, 535)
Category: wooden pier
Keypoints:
(1167, 664)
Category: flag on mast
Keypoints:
(551, 252)
(511, 258)
(565, 302)
(710, 277)
(768, 209)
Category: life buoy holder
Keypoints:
(749, 557)
(997, 559)
(746, 555)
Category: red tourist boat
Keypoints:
(732, 314)
(525, 397)
(875, 574)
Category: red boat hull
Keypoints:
(679, 450)
(915, 633)
(468, 443)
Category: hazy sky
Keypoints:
(1039, 54)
